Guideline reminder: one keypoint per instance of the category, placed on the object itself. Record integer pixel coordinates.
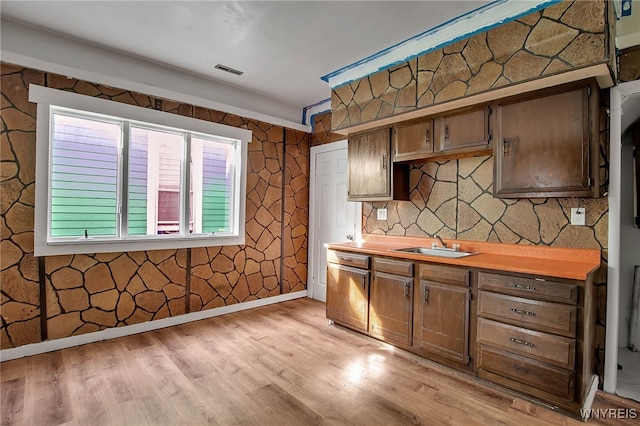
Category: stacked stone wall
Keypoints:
(86, 293)
(565, 36)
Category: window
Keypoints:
(113, 177)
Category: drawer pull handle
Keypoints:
(522, 287)
(362, 282)
(522, 312)
(520, 342)
(346, 259)
(406, 290)
(425, 292)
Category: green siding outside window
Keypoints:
(84, 177)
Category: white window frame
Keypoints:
(47, 98)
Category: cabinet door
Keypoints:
(441, 321)
(369, 165)
(542, 146)
(390, 308)
(413, 141)
(348, 296)
(466, 129)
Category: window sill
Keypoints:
(91, 246)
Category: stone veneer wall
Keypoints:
(85, 293)
(454, 199)
(565, 36)
(322, 130)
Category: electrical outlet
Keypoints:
(578, 216)
(382, 214)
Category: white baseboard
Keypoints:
(112, 333)
(591, 395)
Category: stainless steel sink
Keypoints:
(442, 252)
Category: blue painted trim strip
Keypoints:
(318, 103)
(432, 31)
(308, 107)
(416, 37)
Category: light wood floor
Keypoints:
(277, 365)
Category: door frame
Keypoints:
(618, 94)
(315, 150)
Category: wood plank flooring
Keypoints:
(276, 365)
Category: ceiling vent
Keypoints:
(228, 69)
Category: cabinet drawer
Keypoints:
(536, 288)
(395, 267)
(349, 259)
(554, 380)
(545, 347)
(444, 274)
(548, 316)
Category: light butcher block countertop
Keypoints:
(557, 262)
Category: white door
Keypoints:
(331, 217)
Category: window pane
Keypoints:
(84, 170)
(213, 179)
(154, 181)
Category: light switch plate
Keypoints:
(382, 214)
(578, 216)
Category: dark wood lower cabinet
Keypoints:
(390, 308)
(528, 333)
(516, 368)
(348, 296)
(441, 321)
(535, 336)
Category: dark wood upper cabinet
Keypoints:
(547, 146)
(458, 134)
(413, 140)
(463, 130)
(373, 176)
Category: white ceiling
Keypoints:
(283, 47)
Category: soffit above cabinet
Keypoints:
(600, 72)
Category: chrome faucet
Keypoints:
(441, 241)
